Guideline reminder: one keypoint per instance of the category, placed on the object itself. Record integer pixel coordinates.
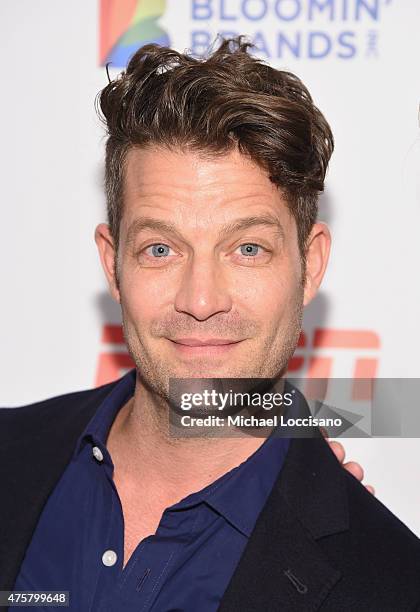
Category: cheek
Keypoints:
(273, 290)
(143, 297)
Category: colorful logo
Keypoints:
(126, 25)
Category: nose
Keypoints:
(203, 290)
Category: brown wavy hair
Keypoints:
(213, 104)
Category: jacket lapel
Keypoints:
(283, 567)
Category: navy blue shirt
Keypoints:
(78, 543)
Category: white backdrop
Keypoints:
(359, 59)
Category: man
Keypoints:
(212, 249)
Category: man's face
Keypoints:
(225, 266)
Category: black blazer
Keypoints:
(321, 542)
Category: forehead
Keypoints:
(193, 177)
(199, 196)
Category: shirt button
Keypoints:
(97, 453)
(109, 558)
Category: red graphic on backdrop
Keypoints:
(313, 358)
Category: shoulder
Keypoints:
(379, 555)
(21, 420)
(376, 523)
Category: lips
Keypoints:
(205, 342)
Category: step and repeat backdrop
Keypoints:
(60, 329)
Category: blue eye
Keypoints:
(250, 249)
(158, 249)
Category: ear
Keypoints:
(317, 253)
(107, 254)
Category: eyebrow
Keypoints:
(266, 220)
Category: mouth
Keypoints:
(203, 347)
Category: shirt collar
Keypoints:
(242, 499)
(97, 429)
(240, 494)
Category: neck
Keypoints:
(145, 453)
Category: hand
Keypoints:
(351, 466)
